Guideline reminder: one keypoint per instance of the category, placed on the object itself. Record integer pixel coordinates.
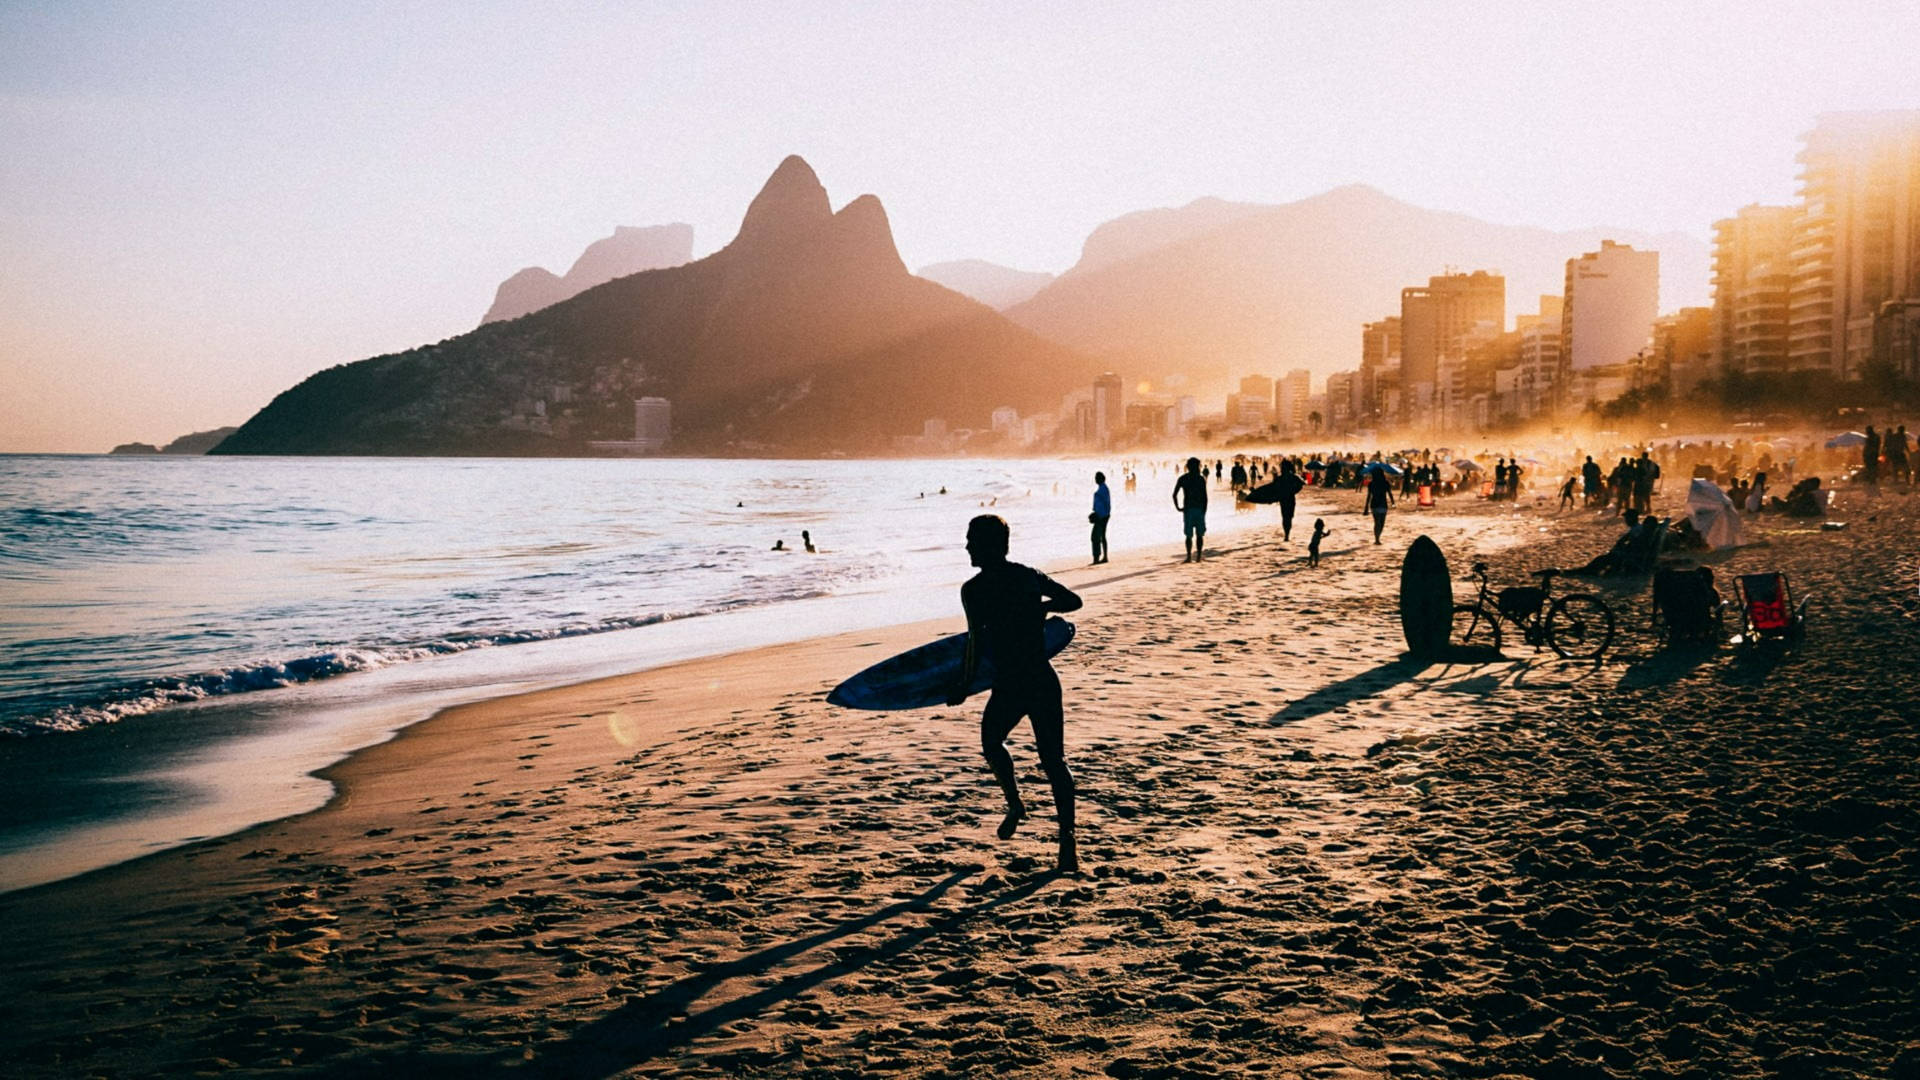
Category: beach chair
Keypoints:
(1767, 610)
(1686, 606)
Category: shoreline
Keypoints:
(192, 793)
(1305, 855)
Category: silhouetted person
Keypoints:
(1192, 487)
(806, 538)
(1290, 485)
(1313, 542)
(780, 545)
(1896, 452)
(1007, 605)
(1871, 453)
(1379, 498)
(1590, 476)
(1102, 510)
(1566, 493)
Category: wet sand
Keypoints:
(1305, 855)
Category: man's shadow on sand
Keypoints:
(1457, 669)
(660, 1022)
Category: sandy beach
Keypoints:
(1305, 855)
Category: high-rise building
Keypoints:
(1107, 416)
(1438, 319)
(1855, 292)
(652, 422)
(1290, 394)
(1612, 298)
(1683, 346)
(1342, 392)
(1752, 269)
(1538, 364)
(1379, 356)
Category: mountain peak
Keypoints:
(790, 204)
(861, 229)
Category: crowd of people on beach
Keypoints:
(1007, 604)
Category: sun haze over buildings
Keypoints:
(208, 203)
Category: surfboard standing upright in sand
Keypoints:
(1426, 598)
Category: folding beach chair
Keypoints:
(1767, 609)
(1686, 606)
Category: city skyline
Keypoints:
(195, 228)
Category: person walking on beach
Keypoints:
(1313, 542)
(1102, 510)
(1566, 493)
(1290, 485)
(1379, 498)
(1192, 485)
(1007, 606)
(1871, 455)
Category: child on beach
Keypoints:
(1313, 544)
(1566, 493)
(1007, 606)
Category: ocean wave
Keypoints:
(155, 694)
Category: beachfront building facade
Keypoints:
(1107, 414)
(1606, 321)
(1752, 273)
(1290, 408)
(1854, 296)
(1435, 322)
(1683, 351)
(1379, 374)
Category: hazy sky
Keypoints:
(201, 204)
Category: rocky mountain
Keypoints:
(628, 251)
(199, 442)
(998, 287)
(805, 334)
(1215, 289)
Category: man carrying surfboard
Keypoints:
(1007, 605)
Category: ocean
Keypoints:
(184, 640)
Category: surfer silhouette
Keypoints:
(1007, 606)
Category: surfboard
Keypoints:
(1272, 491)
(1426, 598)
(922, 677)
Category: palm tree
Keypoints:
(1314, 419)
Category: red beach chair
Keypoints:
(1767, 608)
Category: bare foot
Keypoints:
(1015, 815)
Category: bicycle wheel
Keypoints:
(1474, 625)
(1580, 627)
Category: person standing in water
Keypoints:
(1379, 498)
(1007, 606)
(1102, 510)
(1193, 512)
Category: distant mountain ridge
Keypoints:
(628, 251)
(1217, 288)
(198, 442)
(998, 287)
(804, 334)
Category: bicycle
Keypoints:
(1578, 626)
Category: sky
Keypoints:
(203, 203)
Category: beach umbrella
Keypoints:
(1316, 463)
(1467, 465)
(1385, 467)
(1846, 440)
